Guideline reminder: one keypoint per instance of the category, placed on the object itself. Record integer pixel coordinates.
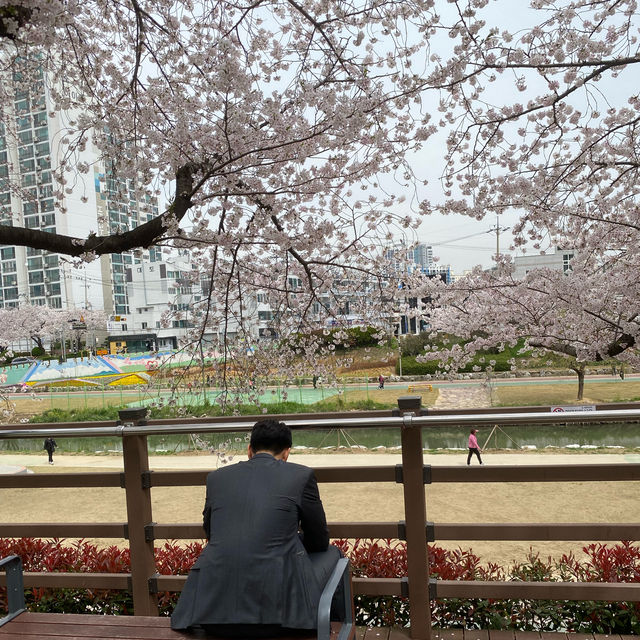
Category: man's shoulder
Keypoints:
(290, 468)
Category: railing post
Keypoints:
(139, 514)
(415, 518)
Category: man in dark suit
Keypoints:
(268, 556)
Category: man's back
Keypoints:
(256, 569)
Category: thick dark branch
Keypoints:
(143, 236)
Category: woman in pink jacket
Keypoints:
(473, 446)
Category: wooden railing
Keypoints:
(141, 531)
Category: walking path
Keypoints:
(467, 397)
(9, 463)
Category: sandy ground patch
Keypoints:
(359, 502)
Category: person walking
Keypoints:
(381, 382)
(50, 446)
(473, 447)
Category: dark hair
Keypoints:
(270, 435)
(473, 431)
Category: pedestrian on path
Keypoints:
(50, 446)
(381, 382)
(473, 447)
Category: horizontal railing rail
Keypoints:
(137, 480)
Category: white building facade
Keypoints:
(559, 260)
(29, 152)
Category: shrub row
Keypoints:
(373, 559)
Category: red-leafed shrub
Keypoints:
(372, 559)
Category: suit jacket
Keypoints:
(255, 568)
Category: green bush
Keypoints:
(37, 352)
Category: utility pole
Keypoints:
(497, 229)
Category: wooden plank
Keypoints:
(448, 634)
(95, 627)
(476, 634)
(551, 635)
(609, 591)
(586, 636)
(399, 633)
(587, 531)
(502, 634)
(527, 635)
(39, 480)
(537, 473)
(360, 631)
(63, 530)
(73, 580)
(376, 633)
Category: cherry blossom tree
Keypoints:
(571, 314)
(541, 116)
(39, 323)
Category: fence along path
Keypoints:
(141, 531)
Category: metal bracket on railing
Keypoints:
(123, 482)
(426, 474)
(153, 583)
(429, 528)
(431, 531)
(145, 476)
(15, 587)
(433, 588)
(404, 587)
(149, 532)
(126, 531)
(129, 584)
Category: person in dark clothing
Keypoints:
(268, 556)
(50, 446)
(381, 382)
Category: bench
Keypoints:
(19, 623)
(419, 386)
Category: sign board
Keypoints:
(580, 407)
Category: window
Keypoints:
(25, 137)
(36, 291)
(42, 149)
(23, 123)
(6, 253)
(566, 262)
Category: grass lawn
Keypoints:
(565, 393)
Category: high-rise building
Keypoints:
(423, 256)
(30, 149)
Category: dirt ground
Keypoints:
(357, 502)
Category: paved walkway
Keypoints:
(18, 461)
(469, 397)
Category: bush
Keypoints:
(371, 559)
(411, 367)
(38, 352)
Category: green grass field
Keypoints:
(566, 393)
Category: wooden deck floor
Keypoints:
(384, 633)
(57, 626)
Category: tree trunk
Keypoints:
(580, 372)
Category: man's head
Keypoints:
(271, 436)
